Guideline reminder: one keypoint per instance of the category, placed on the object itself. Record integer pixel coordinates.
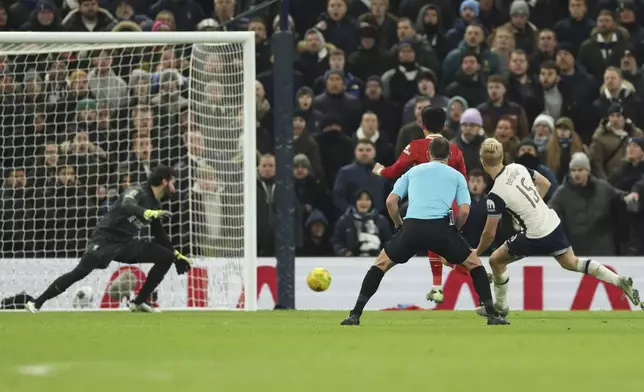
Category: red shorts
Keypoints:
(433, 256)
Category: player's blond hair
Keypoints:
(491, 152)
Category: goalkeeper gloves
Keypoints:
(154, 214)
(181, 263)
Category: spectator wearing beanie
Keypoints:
(335, 100)
(388, 113)
(370, 58)
(543, 128)
(303, 143)
(383, 24)
(337, 62)
(336, 148)
(609, 141)
(468, 83)
(304, 102)
(426, 88)
(528, 156)
(631, 169)
(45, 17)
(470, 138)
(631, 71)
(473, 42)
(469, 13)
(564, 143)
(369, 131)
(584, 205)
(400, 82)
(604, 47)
(627, 17)
(431, 27)
(525, 33)
(316, 236)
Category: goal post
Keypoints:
(84, 115)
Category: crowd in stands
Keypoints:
(558, 83)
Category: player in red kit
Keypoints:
(417, 152)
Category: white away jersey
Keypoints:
(514, 191)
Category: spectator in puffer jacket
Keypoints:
(528, 156)
(361, 230)
(586, 206)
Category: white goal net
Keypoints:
(84, 116)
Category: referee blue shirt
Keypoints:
(431, 189)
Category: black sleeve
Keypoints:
(495, 205)
(532, 173)
(130, 203)
(159, 233)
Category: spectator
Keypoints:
(139, 163)
(411, 9)
(501, 43)
(490, 16)
(528, 156)
(383, 23)
(610, 140)
(585, 205)
(266, 206)
(474, 42)
(506, 133)
(267, 78)
(168, 103)
(187, 13)
(196, 158)
(469, 12)
(303, 143)
(542, 129)
(400, 82)
(575, 29)
(336, 148)
(55, 83)
(140, 87)
(88, 17)
(361, 230)
(367, 60)
(522, 86)
(104, 84)
(455, 109)
(45, 17)
(425, 55)
(316, 236)
(426, 88)
(525, 33)
(336, 101)
(262, 45)
(314, 56)
(44, 170)
(354, 86)
(263, 111)
(631, 169)
(18, 212)
(605, 46)
(432, 30)
(124, 10)
(468, 83)
(470, 138)
(357, 176)
(413, 130)
(309, 190)
(478, 209)
(369, 131)
(546, 50)
(618, 91)
(311, 116)
(224, 14)
(497, 106)
(632, 73)
(562, 146)
(552, 97)
(627, 18)
(386, 111)
(338, 27)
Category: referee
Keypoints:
(431, 188)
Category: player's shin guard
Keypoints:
(591, 267)
(501, 290)
(369, 287)
(155, 276)
(482, 287)
(61, 284)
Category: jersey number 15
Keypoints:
(529, 192)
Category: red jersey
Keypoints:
(417, 152)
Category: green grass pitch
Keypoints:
(309, 351)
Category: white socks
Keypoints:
(501, 290)
(591, 267)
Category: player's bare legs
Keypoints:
(482, 287)
(571, 262)
(369, 287)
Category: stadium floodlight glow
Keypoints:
(84, 114)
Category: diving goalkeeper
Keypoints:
(113, 240)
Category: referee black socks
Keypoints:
(369, 287)
(482, 287)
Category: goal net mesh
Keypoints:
(80, 124)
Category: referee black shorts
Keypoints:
(420, 235)
(103, 248)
